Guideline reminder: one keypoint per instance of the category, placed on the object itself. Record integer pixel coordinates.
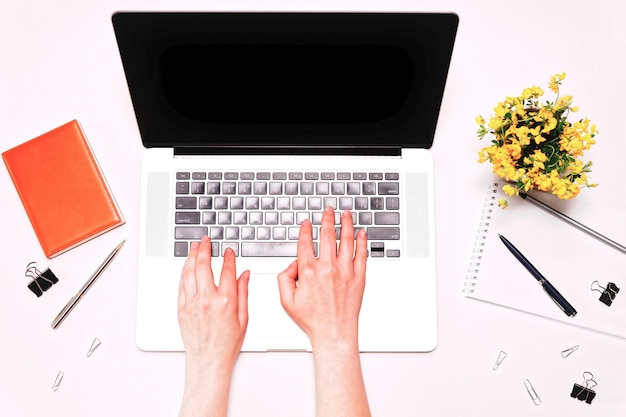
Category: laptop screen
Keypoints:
(286, 80)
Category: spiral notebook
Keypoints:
(570, 259)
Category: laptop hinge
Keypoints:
(290, 150)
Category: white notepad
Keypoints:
(570, 259)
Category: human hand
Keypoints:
(213, 319)
(323, 295)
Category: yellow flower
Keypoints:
(555, 81)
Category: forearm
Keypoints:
(206, 391)
(339, 385)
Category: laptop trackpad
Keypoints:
(268, 319)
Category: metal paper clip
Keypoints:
(94, 345)
(501, 357)
(57, 381)
(565, 353)
(532, 392)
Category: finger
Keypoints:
(360, 255)
(204, 273)
(181, 294)
(228, 276)
(242, 298)
(346, 242)
(305, 242)
(328, 238)
(287, 285)
(188, 275)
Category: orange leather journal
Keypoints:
(62, 188)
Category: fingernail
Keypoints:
(330, 210)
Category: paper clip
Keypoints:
(608, 293)
(41, 281)
(501, 357)
(94, 345)
(532, 392)
(57, 381)
(584, 392)
(565, 353)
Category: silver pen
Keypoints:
(74, 300)
(574, 223)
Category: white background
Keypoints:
(59, 61)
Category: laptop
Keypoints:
(253, 122)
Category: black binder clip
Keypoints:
(608, 293)
(41, 281)
(584, 392)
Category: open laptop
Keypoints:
(255, 121)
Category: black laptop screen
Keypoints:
(286, 79)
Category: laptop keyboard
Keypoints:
(258, 214)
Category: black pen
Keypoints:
(549, 288)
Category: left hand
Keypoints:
(213, 319)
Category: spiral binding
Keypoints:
(481, 238)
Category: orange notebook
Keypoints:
(62, 189)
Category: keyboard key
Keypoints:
(213, 188)
(306, 188)
(276, 188)
(337, 188)
(369, 188)
(181, 249)
(263, 233)
(298, 203)
(244, 188)
(315, 203)
(330, 202)
(197, 188)
(220, 203)
(375, 176)
(260, 188)
(359, 176)
(383, 233)
(209, 217)
(224, 217)
(283, 203)
(393, 253)
(392, 203)
(198, 176)
(354, 188)
(344, 176)
(365, 218)
(183, 176)
(311, 176)
(377, 203)
(295, 175)
(322, 188)
(287, 218)
(268, 203)
(187, 217)
(386, 218)
(263, 175)
(271, 218)
(182, 188)
(252, 203)
(279, 233)
(232, 233)
(345, 203)
(232, 245)
(231, 176)
(229, 188)
(247, 233)
(390, 176)
(256, 217)
(240, 217)
(361, 203)
(186, 203)
(329, 176)
(206, 203)
(194, 233)
(281, 176)
(236, 203)
(388, 188)
(247, 175)
(217, 232)
(279, 249)
(215, 175)
(291, 188)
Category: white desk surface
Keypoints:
(59, 61)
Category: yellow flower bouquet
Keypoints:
(535, 145)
